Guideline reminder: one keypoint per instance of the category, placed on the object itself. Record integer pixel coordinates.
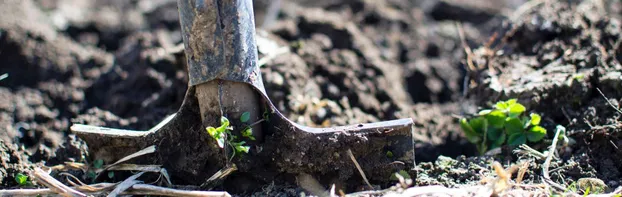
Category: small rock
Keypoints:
(321, 113)
(595, 185)
(277, 79)
(333, 91)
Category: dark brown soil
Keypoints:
(114, 64)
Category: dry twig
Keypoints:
(138, 189)
(126, 184)
(467, 49)
(220, 175)
(547, 163)
(608, 101)
(55, 185)
(521, 172)
(358, 167)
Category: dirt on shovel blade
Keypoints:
(324, 63)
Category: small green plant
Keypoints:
(97, 164)
(21, 179)
(389, 154)
(223, 135)
(506, 123)
(266, 115)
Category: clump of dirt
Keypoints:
(55, 81)
(557, 60)
(48, 73)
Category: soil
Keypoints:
(117, 64)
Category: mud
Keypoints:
(116, 64)
(556, 60)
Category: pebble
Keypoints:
(321, 113)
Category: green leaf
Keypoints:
(224, 122)
(484, 112)
(479, 125)
(221, 141)
(516, 110)
(536, 133)
(240, 148)
(266, 115)
(501, 105)
(494, 133)
(525, 121)
(468, 131)
(91, 174)
(111, 174)
(513, 125)
(511, 102)
(499, 141)
(212, 132)
(244, 149)
(389, 154)
(245, 117)
(21, 179)
(535, 119)
(465, 126)
(516, 139)
(218, 134)
(248, 132)
(496, 119)
(98, 163)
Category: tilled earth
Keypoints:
(118, 64)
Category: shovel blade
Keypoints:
(219, 41)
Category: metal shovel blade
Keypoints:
(219, 38)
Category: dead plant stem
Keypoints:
(547, 163)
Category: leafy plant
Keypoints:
(223, 135)
(506, 123)
(21, 179)
(248, 133)
(98, 163)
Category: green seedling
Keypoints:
(266, 115)
(98, 163)
(223, 136)
(389, 154)
(248, 133)
(506, 123)
(21, 179)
